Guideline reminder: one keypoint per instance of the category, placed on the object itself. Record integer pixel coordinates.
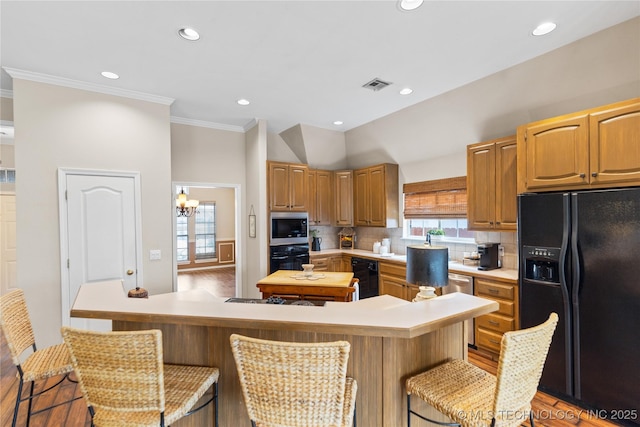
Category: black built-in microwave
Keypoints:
(289, 228)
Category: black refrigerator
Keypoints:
(579, 255)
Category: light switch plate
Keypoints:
(155, 254)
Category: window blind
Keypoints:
(442, 198)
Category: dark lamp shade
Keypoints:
(428, 265)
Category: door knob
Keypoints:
(129, 272)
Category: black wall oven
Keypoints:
(288, 257)
(289, 228)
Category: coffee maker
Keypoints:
(489, 259)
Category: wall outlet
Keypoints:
(501, 250)
(155, 254)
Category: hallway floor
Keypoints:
(221, 282)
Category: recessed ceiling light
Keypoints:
(110, 75)
(406, 91)
(243, 101)
(189, 34)
(409, 4)
(544, 28)
(338, 122)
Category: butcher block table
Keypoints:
(291, 284)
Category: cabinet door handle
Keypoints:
(497, 222)
(494, 291)
(494, 342)
(493, 322)
(594, 174)
(582, 175)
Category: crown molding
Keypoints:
(92, 87)
(4, 93)
(251, 124)
(206, 124)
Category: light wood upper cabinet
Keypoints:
(595, 148)
(614, 145)
(557, 152)
(375, 195)
(288, 186)
(320, 197)
(491, 184)
(343, 198)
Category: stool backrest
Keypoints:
(522, 357)
(16, 324)
(292, 384)
(119, 371)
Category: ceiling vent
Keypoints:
(376, 84)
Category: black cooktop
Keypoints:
(277, 301)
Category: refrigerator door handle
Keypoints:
(566, 297)
(575, 290)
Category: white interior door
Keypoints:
(101, 230)
(8, 242)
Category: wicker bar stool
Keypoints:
(295, 384)
(40, 364)
(471, 396)
(125, 382)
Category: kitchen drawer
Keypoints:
(320, 264)
(496, 323)
(494, 290)
(508, 308)
(392, 269)
(488, 339)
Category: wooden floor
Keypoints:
(221, 282)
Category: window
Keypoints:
(182, 234)
(206, 231)
(7, 176)
(454, 228)
(437, 205)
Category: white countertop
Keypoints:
(454, 266)
(380, 316)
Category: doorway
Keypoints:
(219, 273)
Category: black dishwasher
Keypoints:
(366, 271)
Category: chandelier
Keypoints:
(185, 207)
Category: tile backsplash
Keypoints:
(366, 236)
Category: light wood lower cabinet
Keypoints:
(328, 262)
(392, 280)
(490, 327)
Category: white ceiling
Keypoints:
(296, 61)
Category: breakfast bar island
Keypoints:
(391, 339)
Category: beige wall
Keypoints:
(206, 155)
(256, 249)
(225, 200)
(58, 127)
(6, 109)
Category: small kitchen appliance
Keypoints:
(489, 259)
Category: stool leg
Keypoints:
(216, 402)
(17, 407)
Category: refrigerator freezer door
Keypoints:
(543, 222)
(607, 312)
